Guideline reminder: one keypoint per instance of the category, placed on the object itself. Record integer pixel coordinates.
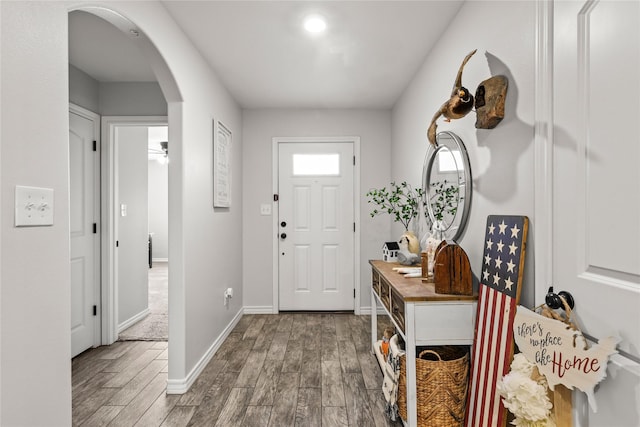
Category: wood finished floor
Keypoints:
(292, 369)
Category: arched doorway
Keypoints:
(109, 244)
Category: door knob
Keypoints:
(283, 235)
(283, 224)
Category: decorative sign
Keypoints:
(221, 166)
(505, 245)
(561, 353)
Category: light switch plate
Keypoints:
(34, 206)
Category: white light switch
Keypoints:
(265, 209)
(34, 206)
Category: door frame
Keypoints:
(109, 183)
(97, 216)
(543, 151)
(355, 141)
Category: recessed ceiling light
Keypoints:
(315, 24)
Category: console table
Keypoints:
(421, 316)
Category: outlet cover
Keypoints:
(265, 209)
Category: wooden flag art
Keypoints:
(498, 296)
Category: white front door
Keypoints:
(596, 187)
(83, 227)
(316, 226)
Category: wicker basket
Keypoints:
(442, 375)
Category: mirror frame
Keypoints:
(467, 184)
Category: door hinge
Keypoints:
(354, 293)
(354, 227)
(275, 197)
(95, 145)
(354, 160)
(117, 243)
(95, 228)
(95, 310)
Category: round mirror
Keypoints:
(446, 185)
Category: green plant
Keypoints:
(444, 199)
(400, 201)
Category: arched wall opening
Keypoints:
(171, 91)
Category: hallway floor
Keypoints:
(291, 369)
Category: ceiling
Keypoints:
(365, 59)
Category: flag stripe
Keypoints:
(486, 352)
(473, 387)
(489, 369)
(483, 344)
(497, 367)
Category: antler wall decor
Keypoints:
(489, 102)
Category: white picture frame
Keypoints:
(222, 138)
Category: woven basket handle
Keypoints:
(429, 351)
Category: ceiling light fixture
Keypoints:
(315, 24)
(162, 154)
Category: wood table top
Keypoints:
(413, 288)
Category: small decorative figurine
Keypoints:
(405, 255)
(386, 336)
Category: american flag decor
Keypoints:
(498, 295)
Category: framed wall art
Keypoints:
(221, 166)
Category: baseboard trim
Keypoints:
(366, 311)
(181, 386)
(258, 309)
(133, 320)
(159, 260)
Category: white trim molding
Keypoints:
(258, 309)
(181, 386)
(543, 149)
(109, 215)
(366, 311)
(133, 320)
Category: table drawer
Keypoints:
(397, 309)
(385, 293)
(375, 282)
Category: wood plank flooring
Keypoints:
(290, 369)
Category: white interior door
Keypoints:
(83, 214)
(316, 226)
(596, 218)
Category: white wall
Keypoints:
(115, 98)
(158, 208)
(34, 265)
(502, 159)
(259, 127)
(132, 229)
(35, 301)
(84, 90)
(131, 99)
